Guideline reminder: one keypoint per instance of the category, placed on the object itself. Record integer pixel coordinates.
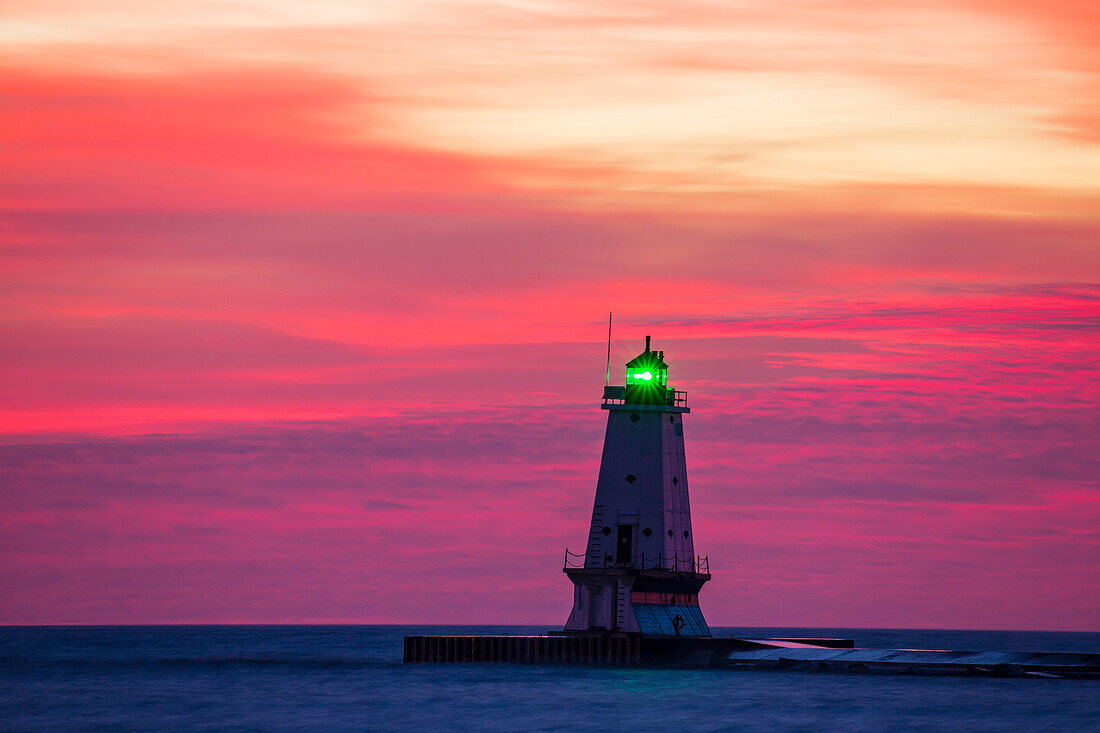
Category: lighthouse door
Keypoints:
(624, 546)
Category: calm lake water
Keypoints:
(351, 677)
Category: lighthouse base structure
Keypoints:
(650, 602)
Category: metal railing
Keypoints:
(642, 561)
(613, 395)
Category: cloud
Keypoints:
(482, 501)
(232, 138)
(350, 107)
(348, 266)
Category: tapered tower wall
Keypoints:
(643, 485)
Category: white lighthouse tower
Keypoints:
(639, 573)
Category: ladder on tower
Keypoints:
(595, 540)
(620, 605)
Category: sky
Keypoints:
(303, 306)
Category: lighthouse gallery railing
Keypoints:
(616, 395)
(674, 563)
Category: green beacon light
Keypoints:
(646, 378)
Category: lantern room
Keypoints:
(647, 378)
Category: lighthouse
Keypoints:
(636, 585)
(639, 573)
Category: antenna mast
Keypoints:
(608, 382)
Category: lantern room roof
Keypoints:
(648, 359)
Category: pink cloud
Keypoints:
(323, 521)
(236, 138)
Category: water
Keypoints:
(351, 677)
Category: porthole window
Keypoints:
(635, 417)
(675, 480)
(685, 533)
(672, 418)
(606, 531)
(647, 531)
(630, 478)
(670, 533)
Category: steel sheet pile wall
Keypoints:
(617, 651)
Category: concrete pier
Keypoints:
(807, 655)
(618, 650)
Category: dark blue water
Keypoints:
(351, 677)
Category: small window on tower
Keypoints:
(685, 533)
(670, 533)
(631, 478)
(672, 418)
(647, 531)
(635, 417)
(606, 530)
(675, 480)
